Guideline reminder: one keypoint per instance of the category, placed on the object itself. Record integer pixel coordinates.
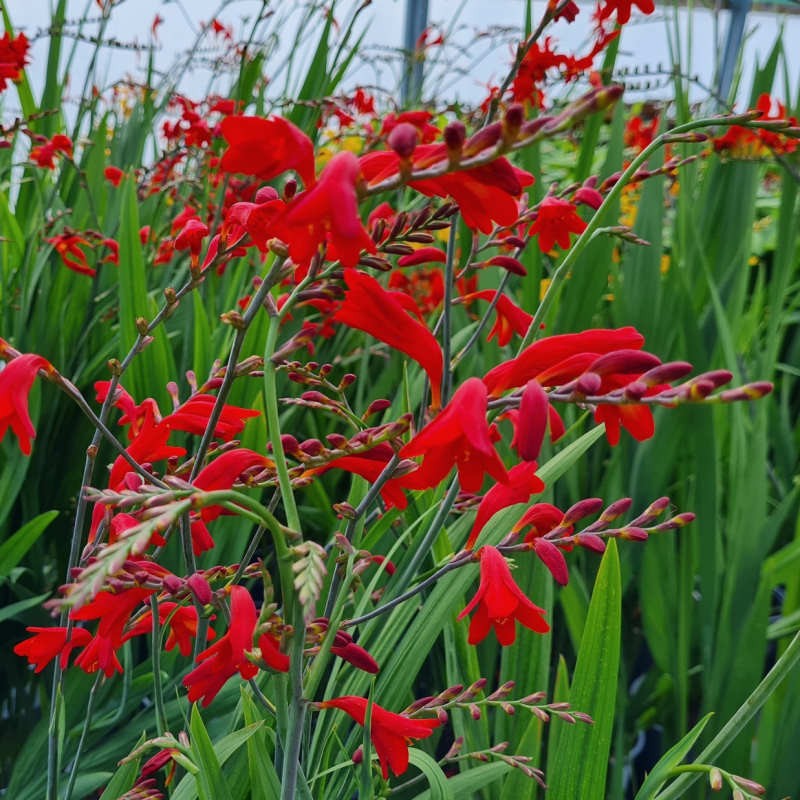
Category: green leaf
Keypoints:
(123, 778)
(564, 459)
(10, 611)
(581, 754)
(471, 780)
(440, 788)
(13, 550)
(210, 783)
(662, 771)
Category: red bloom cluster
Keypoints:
(555, 221)
(13, 57)
(44, 153)
(741, 142)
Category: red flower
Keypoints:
(458, 436)
(329, 210)
(266, 148)
(369, 307)
(522, 483)
(47, 643)
(510, 318)
(485, 195)
(44, 155)
(193, 415)
(13, 57)
(389, 732)
(226, 656)
(68, 246)
(113, 175)
(500, 603)
(555, 350)
(554, 222)
(221, 473)
(182, 622)
(16, 380)
(191, 238)
(623, 9)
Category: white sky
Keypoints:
(645, 41)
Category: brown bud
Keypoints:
(141, 326)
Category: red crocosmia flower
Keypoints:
(542, 518)
(554, 222)
(13, 57)
(422, 255)
(500, 603)
(419, 119)
(226, 656)
(16, 381)
(182, 623)
(638, 133)
(221, 473)
(329, 210)
(389, 732)
(193, 415)
(47, 643)
(113, 175)
(266, 148)
(636, 419)
(270, 646)
(113, 610)
(622, 8)
(459, 436)
(191, 238)
(370, 308)
(424, 287)
(510, 317)
(187, 213)
(148, 445)
(44, 155)
(68, 246)
(485, 194)
(522, 483)
(369, 466)
(545, 353)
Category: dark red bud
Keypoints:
(455, 135)
(289, 189)
(200, 588)
(483, 139)
(265, 194)
(403, 139)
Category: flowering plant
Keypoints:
(287, 545)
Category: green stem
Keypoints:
(158, 689)
(447, 311)
(733, 727)
(84, 733)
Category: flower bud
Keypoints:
(403, 139)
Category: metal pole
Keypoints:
(416, 22)
(733, 45)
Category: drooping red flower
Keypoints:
(546, 353)
(390, 733)
(113, 610)
(113, 175)
(510, 318)
(47, 643)
(327, 211)
(266, 148)
(193, 416)
(226, 656)
(370, 308)
(191, 238)
(16, 381)
(485, 195)
(221, 473)
(181, 620)
(622, 8)
(44, 155)
(459, 436)
(522, 483)
(68, 246)
(13, 57)
(425, 287)
(555, 221)
(500, 603)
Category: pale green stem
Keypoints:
(733, 727)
